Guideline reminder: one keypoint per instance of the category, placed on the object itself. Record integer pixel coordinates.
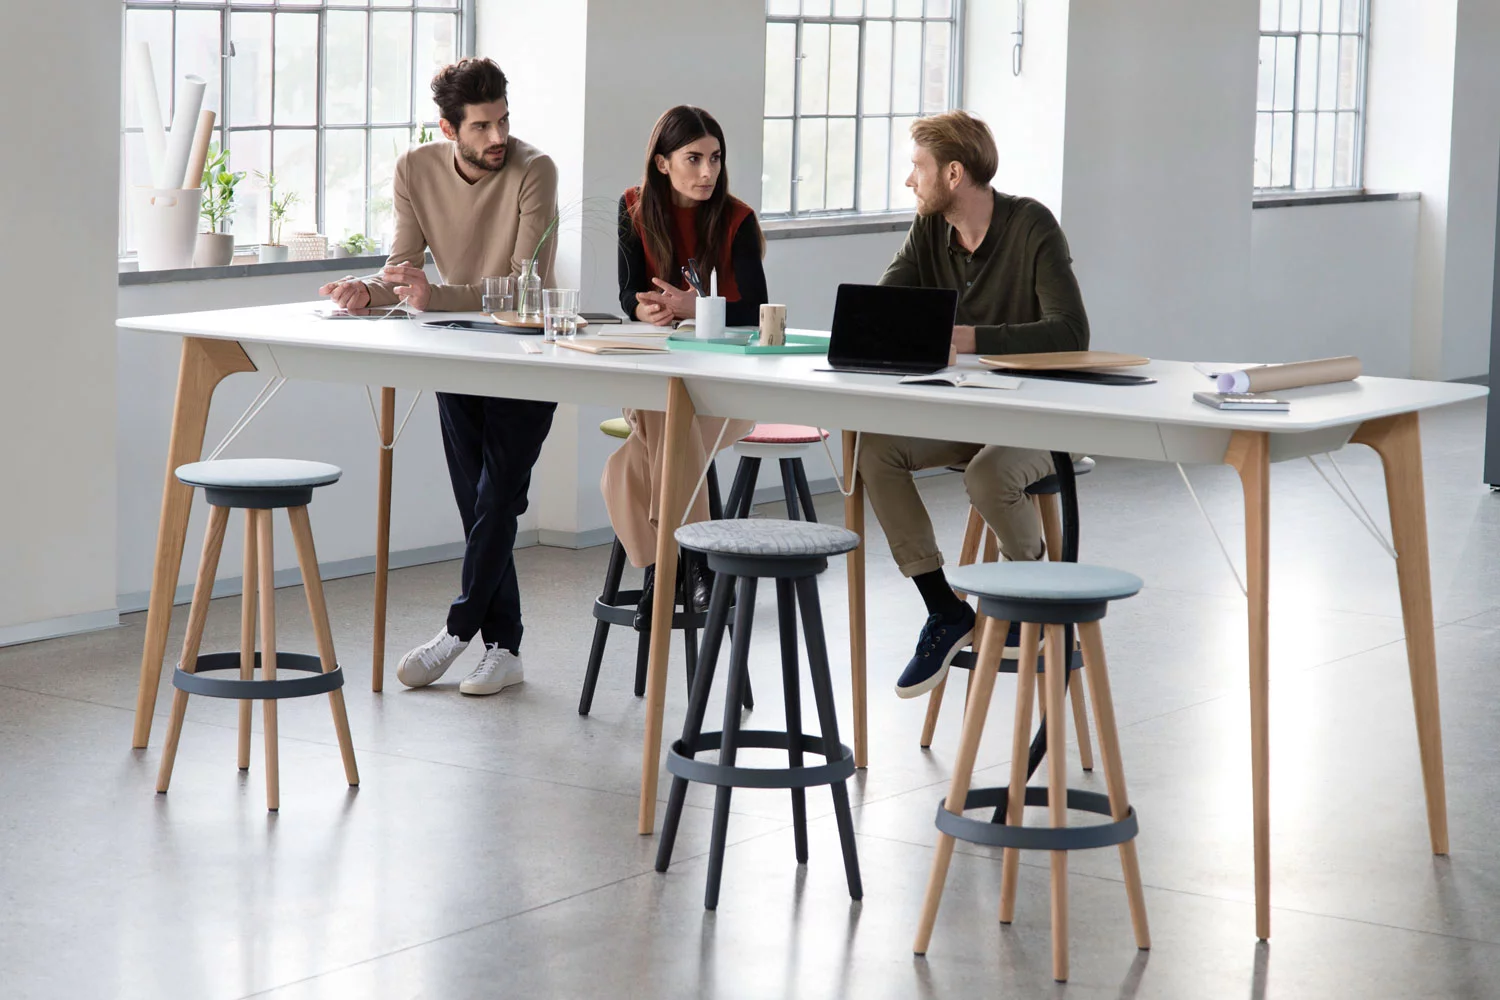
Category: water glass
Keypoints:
(499, 295)
(559, 313)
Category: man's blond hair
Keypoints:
(959, 137)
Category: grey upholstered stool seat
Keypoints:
(259, 486)
(740, 552)
(1044, 597)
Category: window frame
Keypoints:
(956, 22)
(462, 10)
(1357, 153)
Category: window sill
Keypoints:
(1304, 199)
(836, 225)
(254, 269)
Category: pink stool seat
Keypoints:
(784, 434)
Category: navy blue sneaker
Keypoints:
(939, 642)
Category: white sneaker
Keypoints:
(498, 670)
(430, 660)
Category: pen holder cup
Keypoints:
(708, 323)
(772, 325)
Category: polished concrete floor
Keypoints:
(491, 849)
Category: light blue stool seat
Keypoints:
(259, 483)
(1048, 593)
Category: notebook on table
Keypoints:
(965, 380)
(596, 346)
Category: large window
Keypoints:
(325, 95)
(844, 81)
(1309, 123)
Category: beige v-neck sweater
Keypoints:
(475, 231)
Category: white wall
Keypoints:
(58, 209)
(1157, 173)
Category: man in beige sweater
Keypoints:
(481, 202)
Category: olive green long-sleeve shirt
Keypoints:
(1016, 289)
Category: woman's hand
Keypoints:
(682, 302)
(651, 308)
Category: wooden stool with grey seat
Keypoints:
(614, 606)
(258, 486)
(1043, 596)
(741, 552)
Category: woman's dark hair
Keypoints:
(468, 81)
(653, 210)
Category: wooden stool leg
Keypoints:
(1081, 721)
(991, 641)
(1057, 794)
(973, 534)
(247, 635)
(1020, 745)
(1114, 772)
(203, 589)
(267, 558)
(934, 706)
(991, 547)
(317, 610)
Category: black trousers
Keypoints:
(491, 446)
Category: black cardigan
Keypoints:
(744, 257)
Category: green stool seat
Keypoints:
(616, 427)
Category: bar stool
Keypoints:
(785, 443)
(1042, 596)
(1060, 533)
(258, 486)
(614, 606)
(741, 552)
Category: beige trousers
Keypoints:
(632, 477)
(996, 481)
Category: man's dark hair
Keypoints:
(468, 81)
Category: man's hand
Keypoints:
(409, 282)
(963, 340)
(652, 308)
(683, 303)
(347, 293)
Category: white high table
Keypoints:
(1158, 422)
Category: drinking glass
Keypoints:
(559, 313)
(499, 295)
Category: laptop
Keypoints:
(891, 330)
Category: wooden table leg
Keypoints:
(1250, 453)
(854, 520)
(675, 486)
(204, 365)
(383, 535)
(1398, 442)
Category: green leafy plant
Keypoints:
(218, 186)
(279, 206)
(358, 245)
(424, 135)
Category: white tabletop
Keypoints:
(1159, 421)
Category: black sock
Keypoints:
(938, 596)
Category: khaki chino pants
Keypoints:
(996, 481)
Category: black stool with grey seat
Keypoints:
(258, 486)
(741, 552)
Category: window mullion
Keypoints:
(859, 121)
(796, 116)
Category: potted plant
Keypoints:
(216, 246)
(356, 245)
(275, 251)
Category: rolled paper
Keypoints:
(148, 105)
(199, 156)
(184, 124)
(772, 325)
(1295, 375)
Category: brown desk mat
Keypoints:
(1062, 361)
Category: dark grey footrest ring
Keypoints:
(623, 613)
(1037, 838)
(964, 659)
(840, 767)
(316, 682)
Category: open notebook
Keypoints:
(965, 380)
(594, 345)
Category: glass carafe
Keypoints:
(529, 293)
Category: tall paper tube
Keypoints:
(148, 104)
(1273, 378)
(184, 124)
(194, 176)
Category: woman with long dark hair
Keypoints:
(682, 210)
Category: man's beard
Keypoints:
(476, 158)
(937, 203)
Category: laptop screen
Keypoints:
(889, 325)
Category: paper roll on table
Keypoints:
(1273, 378)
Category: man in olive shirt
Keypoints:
(1008, 260)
